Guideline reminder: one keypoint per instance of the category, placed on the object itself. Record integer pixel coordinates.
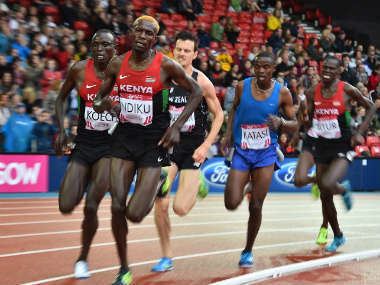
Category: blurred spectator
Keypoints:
(339, 45)
(361, 73)
(274, 20)
(49, 76)
(43, 134)
(231, 31)
(313, 50)
(235, 6)
(233, 74)
(230, 95)
(203, 36)
(225, 59)
(5, 113)
(218, 74)
(348, 74)
(325, 41)
(239, 58)
(206, 70)
(33, 72)
(285, 145)
(7, 84)
(185, 7)
(371, 60)
(374, 79)
(276, 40)
(250, 5)
(217, 29)
(17, 130)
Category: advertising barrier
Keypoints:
(41, 173)
(23, 173)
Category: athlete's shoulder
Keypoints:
(202, 78)
(79, 65)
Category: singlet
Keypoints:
(143, 98)
(329, 118)
(92, 126)
(249, 126)
(196, 124)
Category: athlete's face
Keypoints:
(144, 36)
(264, 68)
(184, 52)
(330, 71)
(103, 47)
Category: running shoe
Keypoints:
(163, 265)
(347, 195)
(81, 270)
(322, 236)
(315, 193)
(123, 278)
(246, 259)
(203, 187)
(337, 242)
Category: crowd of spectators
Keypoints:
(40, 40)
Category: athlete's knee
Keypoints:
(231, 204)
(256, 204)
(327, 183)
(90, 210)
(161, 206)
(298, 181)
(135, 216)
(181, 209)
(118, 208)
(65, 206)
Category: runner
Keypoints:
(89, 166)
(254, 135)
(191, 152)
(142, 135)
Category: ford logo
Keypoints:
(216, 173)
(285, 175)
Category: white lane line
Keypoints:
(152, 226)
(245, 214)
(280, 271)
(183, 257)
(210, 234)
(100, 211)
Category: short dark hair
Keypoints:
(103, 31)
(334, 58)
(266, 54)
(185, 35)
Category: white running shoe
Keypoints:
(81, 270)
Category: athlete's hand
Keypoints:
(102, 104)
(200, 153)
(225, 145)
(60, 143)
(357, 139)
(170, 137)
(115, 109)
(274, 122)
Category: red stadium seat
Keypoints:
(360, 149)
(373, 141)
(375, 151)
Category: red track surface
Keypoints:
(38, 243)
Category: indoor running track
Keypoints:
(38, 245)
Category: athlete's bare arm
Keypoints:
(73, 78)
(217, 114)
(173, 71)
(286, 103)
(228, 137)
(356, 95)
(102, 102)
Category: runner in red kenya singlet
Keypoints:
(90, 159)
(330, 101)
(143, 131)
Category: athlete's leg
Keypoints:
(145, 193)
(99, 185)
(161, 215)
(122, 173)
(327, 191)
(73, 186)
(304, 163)
(261, 178)
(234, 190)
(186, 195)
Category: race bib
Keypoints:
(325, 128)
(98, 121)
(255, 137)
(137, 109)
(174, 114)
